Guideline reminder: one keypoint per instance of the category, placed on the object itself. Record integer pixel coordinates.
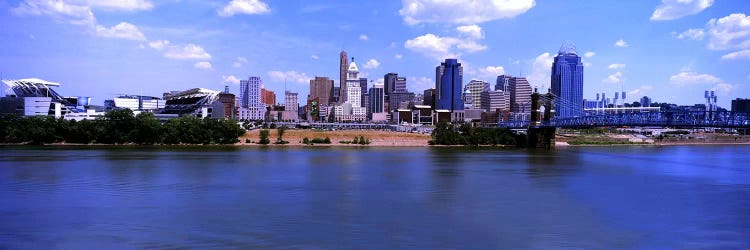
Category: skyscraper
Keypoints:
(450, 85)
(267, 97)
(567, 82)
(250, 92)
(502, 82)
(520, 94)
(353, 89)
(475, 89)
(322, 88)
(290, 101)
(363, 90)
(343, 67)
(389, 82)
(376, 99)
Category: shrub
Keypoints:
(264, 134)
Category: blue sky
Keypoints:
(671, 50)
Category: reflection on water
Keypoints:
(297, 197)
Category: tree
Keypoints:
(147, 129)
(264, 134)
(281, 131)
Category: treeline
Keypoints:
(446, 134)
(119, 127)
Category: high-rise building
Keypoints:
(475, 88)
(400, 84)
(429, 98)
(400, 100)
(495, 100)
(567, 82)
(363, 90)
(520, 94)
(321, 88)
(450, 86)
(741, 105)
(502, 82)
(343, 67)
(250, 92)
(290, 101)
(438, 77)
(267, 97)
(376, 99)
(645, 101)
(389, 82)
(353, 89)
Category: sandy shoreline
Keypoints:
(378, 138)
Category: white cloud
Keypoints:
(363, 37)
(690, 77)
(472, 31)
(541, 69)
(158, 44)
(614, 78)
(419, 84)
(230, 79)
(742, 54)
(371, 64)
(470, 46)
(589, 54)
(725, 88)
(642, 90)
(440, 48)
(398, 56)
(202, 65)
(239, 62)
(289, 76)
(675, 9)
(621, 43)
(491, 72)
(249, 7)
(729, 32)
(73, 13)
(461, 12)
(129, 5)
(122, 30)
(187, 52)
(315, 57)
(694, 34)
(616, 66)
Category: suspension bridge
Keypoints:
(542, 122)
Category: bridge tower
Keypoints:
(541, 134)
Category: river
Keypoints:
(374, 198)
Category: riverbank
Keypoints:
(613, 139)
(376, 137)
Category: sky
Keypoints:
(670, 50)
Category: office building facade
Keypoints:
(567, 82)
(475, 88)
(250, 92)
(450, 86)
(343, 68)
(520, 95)
(321, 88)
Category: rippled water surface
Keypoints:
(374, 198)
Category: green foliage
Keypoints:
(320, 141)
(264, 134)
(280, 139)
(118, 127)
(306, 141)
(248, 141)
(446, 134)
(327, 140)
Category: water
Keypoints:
(374, 198)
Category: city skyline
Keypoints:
(145, 47)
